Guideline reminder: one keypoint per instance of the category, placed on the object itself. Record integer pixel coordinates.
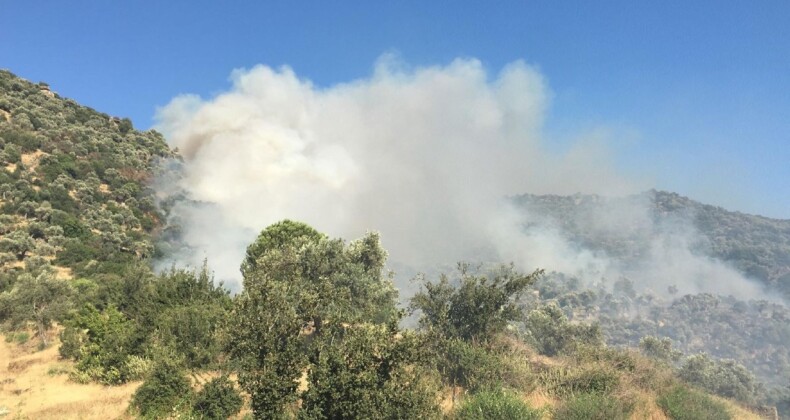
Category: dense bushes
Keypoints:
(367, 373)
(550, 332)
(218, 400)
(466, 365)
(166, 391)
(474, 307)
(179, 311)
(722, 377)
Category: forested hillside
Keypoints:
(74, 184)
(317, 331)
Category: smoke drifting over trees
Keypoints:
(427, 156)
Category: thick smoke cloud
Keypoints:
(425, 155)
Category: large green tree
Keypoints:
(308, 303)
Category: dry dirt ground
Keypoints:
(34, 385)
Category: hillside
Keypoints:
(759, 247)
(74, 185)
(753, 332)
(92, 331)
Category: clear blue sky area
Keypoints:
(703, 87)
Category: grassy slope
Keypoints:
(29, 391)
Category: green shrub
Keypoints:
(218, 399)
(470, 366)
(136, 367)
(726, 378)
(659, 349)
(550, 331)
(592, 406)
(496, 405)
(165, 390)
(21, 337)
(684, 403)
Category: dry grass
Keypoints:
(646, 408)
(736, 410)
(63, 273)
(30, 160)
(29, 391)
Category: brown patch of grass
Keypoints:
(30, 160)
(18, 366)
(540, 399)
(63, 273)
(736, 410)
(450, 398)
(33, 393)
(646, 408)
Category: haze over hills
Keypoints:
(90, 202)
(626, 229)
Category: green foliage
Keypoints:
(18, 243)
(722, 377)
(179, 311)
(550, 332)
(17, 337)
(166, 391)
(277, 236)
(470, 366)
(300, 294)
(477, 308)
(41, 300)
(366, 373)
(218, 400)
(496, 405)
(659, 349)
(684, 403)
(101, 343)
(780, 398)
(266, 347)
(193, 311)
(592, 406)
(68, 151)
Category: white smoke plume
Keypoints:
(424, 155)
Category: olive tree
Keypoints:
(301, 291)
(475, 306)
(40, 300)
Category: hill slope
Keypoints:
(73, 184)
(623, 227)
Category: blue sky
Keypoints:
(696, 94)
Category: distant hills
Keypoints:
(759, 247)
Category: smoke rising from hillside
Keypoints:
(425, 155)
